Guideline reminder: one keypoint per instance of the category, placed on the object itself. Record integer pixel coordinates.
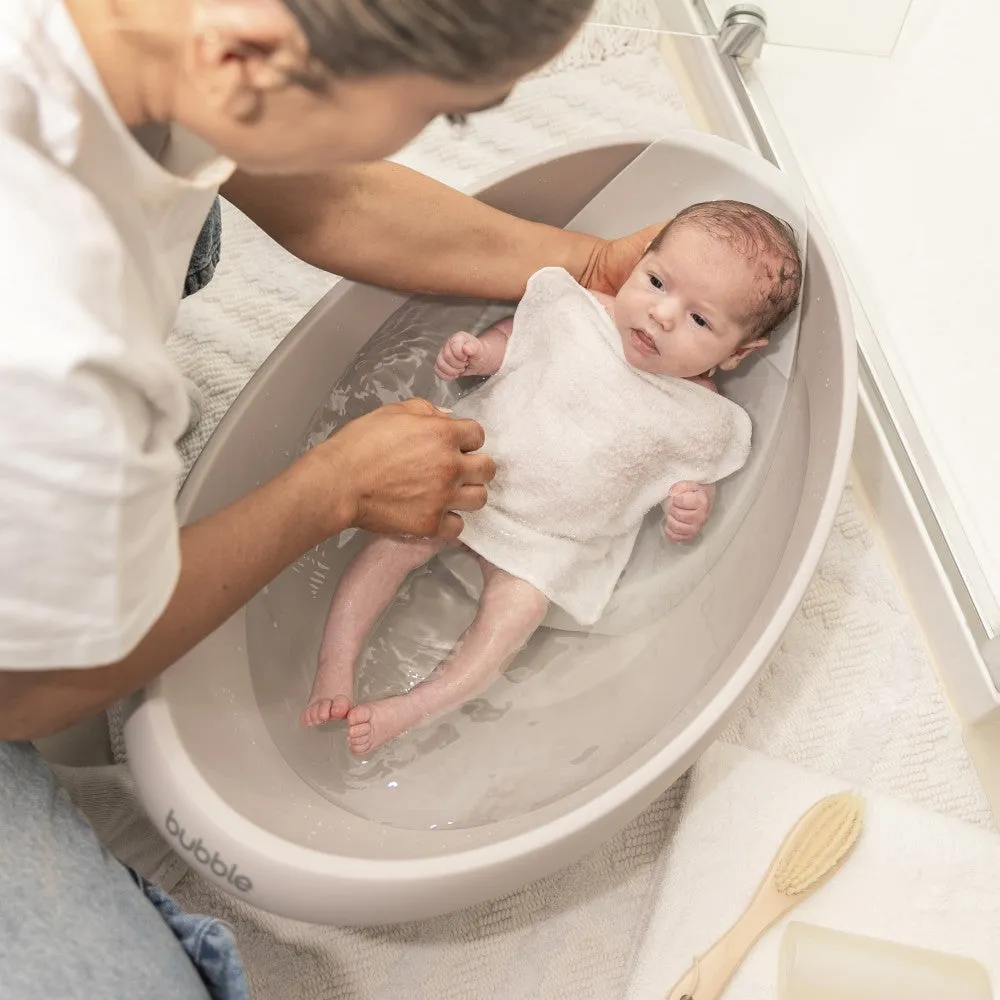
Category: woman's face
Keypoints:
(297, 130)
(260, 99)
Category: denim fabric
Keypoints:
(73, 925)
(209, 943)
(207, 251)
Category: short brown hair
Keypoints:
(755, 235)
(466, 41)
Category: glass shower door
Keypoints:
(865, 27)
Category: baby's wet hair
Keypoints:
(757, 236)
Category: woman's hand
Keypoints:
(403, 469)
(612, 261)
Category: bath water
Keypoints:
(573, 705)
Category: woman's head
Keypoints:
(297, 85)
(463, 41)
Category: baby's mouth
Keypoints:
(643, 342)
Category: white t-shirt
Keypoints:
(95, 239)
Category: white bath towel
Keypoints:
(915, 877)
(585, 445)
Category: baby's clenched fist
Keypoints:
(688, 510)
(458, 357)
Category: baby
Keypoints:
(599, 409)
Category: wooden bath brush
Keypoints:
(812, 852)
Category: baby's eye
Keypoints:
(655, 281)
(699, 320)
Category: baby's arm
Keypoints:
(464, 354)
(688, 505)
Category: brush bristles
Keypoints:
(820, 844)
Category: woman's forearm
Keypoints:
(402, 469)
(388, 225)
(225, 559)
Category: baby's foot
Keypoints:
(374, 724)
(322, 710)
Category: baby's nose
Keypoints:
(666, 314)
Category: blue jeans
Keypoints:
(75, 924)
(208, 942)
(207, 252)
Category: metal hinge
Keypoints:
(742, 33)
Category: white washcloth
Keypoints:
(915, 877)
(585, 446)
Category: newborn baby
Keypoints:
(599, 409)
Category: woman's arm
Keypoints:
(391, 226)
(225, 560)
(399, 470)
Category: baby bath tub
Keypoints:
(589, 729)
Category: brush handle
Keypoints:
(825, 835)
(710, 974)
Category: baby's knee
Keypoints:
(516, 597)
(537, 606)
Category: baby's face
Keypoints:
(683, 310)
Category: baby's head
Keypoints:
(712, 286)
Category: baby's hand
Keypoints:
(458, 356)
(687, 511)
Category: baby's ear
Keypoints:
(743, 351)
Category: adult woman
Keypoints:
(119, 121)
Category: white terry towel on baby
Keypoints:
(915, 877)
(585, 446)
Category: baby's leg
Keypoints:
(509, 612)
(365, 590)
